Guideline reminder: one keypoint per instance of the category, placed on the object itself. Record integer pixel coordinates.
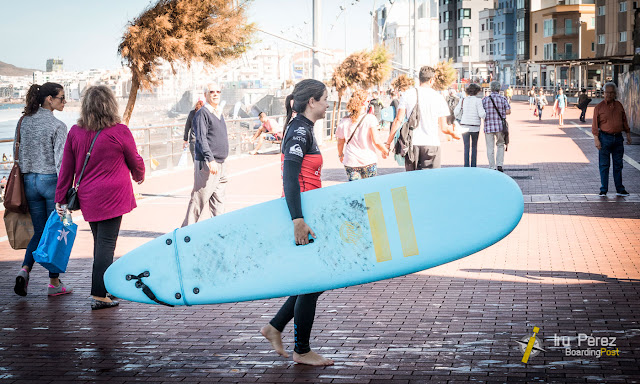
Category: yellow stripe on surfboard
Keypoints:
(405, 221)
(378, 226)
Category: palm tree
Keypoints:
(445, 75)
(181, 31)
(402, 83)
(362, 69)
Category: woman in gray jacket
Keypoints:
(42, 139)
(469, 113)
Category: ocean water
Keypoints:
(10, 114)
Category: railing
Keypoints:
(162, 146)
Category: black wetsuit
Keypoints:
(301, 170)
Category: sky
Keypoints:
(86, 34)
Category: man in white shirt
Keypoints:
(433, 119)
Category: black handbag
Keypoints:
(73, 204)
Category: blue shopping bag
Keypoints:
(55, 244)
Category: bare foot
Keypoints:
(275, 338)
(311, 358)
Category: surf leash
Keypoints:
(145, 289)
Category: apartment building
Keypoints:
(561, 34)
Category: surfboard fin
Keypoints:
(145, 289)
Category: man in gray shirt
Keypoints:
(211, 151)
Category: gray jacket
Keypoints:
(42, 139)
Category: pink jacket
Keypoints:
(105, 189)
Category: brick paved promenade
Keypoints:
(571, 266)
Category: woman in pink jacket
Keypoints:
(105, 192)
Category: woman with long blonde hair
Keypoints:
(105, 192)
(358, 140)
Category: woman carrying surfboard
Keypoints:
(301, 170)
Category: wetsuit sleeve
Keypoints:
(294, 149)
(290, 172)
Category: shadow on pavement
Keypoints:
(417, 328)
(539, 275)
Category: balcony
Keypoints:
(560, 32)
(562, 56)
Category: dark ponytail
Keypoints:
(36, 95)
(302, 92)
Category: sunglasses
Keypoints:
(62, 98)
(212, 92)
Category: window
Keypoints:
(568, 26)
(601, 9)
(593, 46)
(520, 25)
(549, 27)
(535, 28)
(464, 32)
(446, 16)
(521, 47)
(463, 50)
(601, 39)
(464, 13)
(491, 48)
(550, 51)
(568, 50)
(623, 36)
(482, 27)
(520, 3)
(535, 49)
(447, 34)
(623, 6)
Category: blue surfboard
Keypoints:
(367, 230)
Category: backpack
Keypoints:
(404, 146)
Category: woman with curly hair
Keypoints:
(357, 139)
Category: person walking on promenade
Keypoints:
(42, 139)
(270, 130)
(497, 108)
(583, 104)
(470, 112)
(375, 107)
(541, 101)
(532, 98)
(508, 93)
(301, 170)
(189, 135)
(609, 121)
(560, 105)
(105, 192)
(433, 118)
(212, 149)
(358, 141)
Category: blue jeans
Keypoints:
(474, 147)
(612, 148)
(40, 190)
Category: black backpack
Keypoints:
(404, 146)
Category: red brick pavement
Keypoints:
(571, 266)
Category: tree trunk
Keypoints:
(133, 94)
(333, 114)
